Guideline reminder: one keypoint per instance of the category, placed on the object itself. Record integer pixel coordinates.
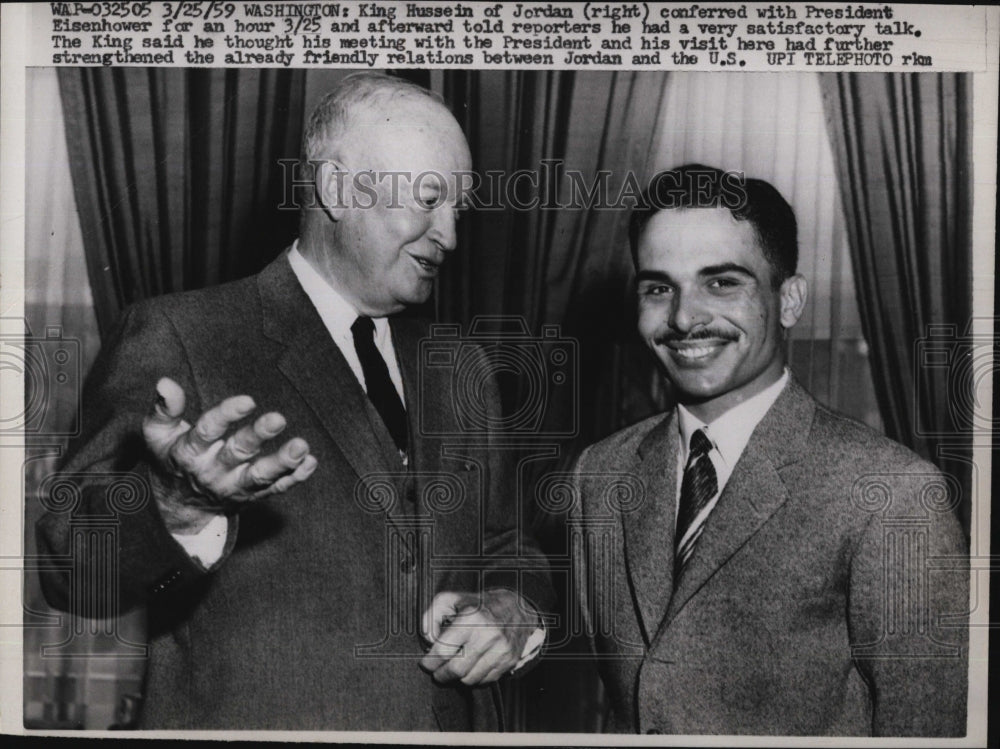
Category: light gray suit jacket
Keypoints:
(827, 595)
(311, 619)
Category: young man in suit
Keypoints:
(364, 575)
(784, 569)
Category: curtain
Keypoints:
(903, 154)
(57, 298)
(535, 249)
(538, 250)
(58, 692)
(178, 175)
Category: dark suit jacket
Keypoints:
(827, 595)
(311, 619)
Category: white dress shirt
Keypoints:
(338, 316)
(729, 435)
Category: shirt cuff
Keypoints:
(531, 649)
(207, 545)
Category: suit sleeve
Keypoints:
(908, 608)
(105, 554)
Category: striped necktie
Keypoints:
(698, 487)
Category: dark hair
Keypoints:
(753, 200)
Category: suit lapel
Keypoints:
(405, 340)
(754, 492)
(406, 336)
(316, 368)
(426, 391)
(649, 534)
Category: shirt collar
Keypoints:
(337, 313)
(731, 432)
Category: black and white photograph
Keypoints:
(499, 372)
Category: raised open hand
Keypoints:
(199, 472)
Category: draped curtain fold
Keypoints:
(903, 152)
(536, 249)
(178, 175)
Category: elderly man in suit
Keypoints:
(368, 573)
(779, 568)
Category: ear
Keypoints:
(331, 187)
(794, 291)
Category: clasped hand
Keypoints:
(476, 639)
(199, 473)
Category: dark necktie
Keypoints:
(698, 486)
(381, 391)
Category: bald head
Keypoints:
(343, 116)
(387, 158)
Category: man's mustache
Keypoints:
(698, 335)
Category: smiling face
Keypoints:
(394, 211)
(708, 309)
